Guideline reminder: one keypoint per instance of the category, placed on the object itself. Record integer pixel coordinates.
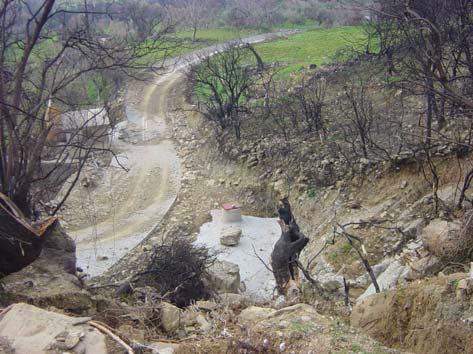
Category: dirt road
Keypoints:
(141, 198)
(151, 185)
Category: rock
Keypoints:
(102, 258)
(254, 314)
(404, 184)
(170, 317)
(354, 204)
(29, 329)
(464, 289)
(193, 321)
(280, 187)
(133, 332)
(204, 325)
(424, 267)
(442, 239)
(231, 237)
(412, 246)
(163, 348)
(331, 283)
(51, 279)
(413, 228)
(73, 339)
(225, 276)
(208, 306)
(252, 161)
(388, 279)
(234, 300)
(301, 309)
(449, 194)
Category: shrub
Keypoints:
(177, 269)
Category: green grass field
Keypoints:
(214, 35)
(181, 42)
(317, 46)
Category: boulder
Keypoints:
(50, 280)
(170, 317)
(255, 314)
(231, 237)
(234, 300)
(442, 239)
(424, 267)
(225, 276)
(28, 329)
(331, 282)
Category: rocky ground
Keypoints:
(388, 208)
(427, 303)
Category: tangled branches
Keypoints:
(178, 270)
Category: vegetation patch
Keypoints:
(317, 46)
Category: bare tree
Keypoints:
(254, 14)
(37, 67)
(223, 83)
(310, 100)
(144, 16)
(359, 113)
(428, 45)
(193, 14)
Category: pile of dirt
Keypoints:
(429, 316)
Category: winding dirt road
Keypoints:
(152, 185)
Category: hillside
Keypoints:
(210, 185)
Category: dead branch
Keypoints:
(108, 331)
(309, 277)
(261, 260)
(346, 290)
(360, 250)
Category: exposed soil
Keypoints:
(208, 180)
(428, 316)
(128, 205)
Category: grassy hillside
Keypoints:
(317, 46)
(214, 35)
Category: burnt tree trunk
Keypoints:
(285, 255)
(20, 241)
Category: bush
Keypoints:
(177, 269)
